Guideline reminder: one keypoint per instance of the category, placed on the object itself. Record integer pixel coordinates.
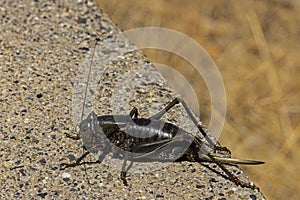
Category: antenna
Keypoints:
(88, 79)
(84, 99)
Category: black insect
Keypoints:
(137, 139)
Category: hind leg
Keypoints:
(190, 114)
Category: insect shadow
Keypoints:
(135, 139)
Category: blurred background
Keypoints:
(255, 45)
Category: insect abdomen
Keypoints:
(151, 130)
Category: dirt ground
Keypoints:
(255, 46)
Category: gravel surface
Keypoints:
(46, 51)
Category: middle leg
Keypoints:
(134, 113)
(124, 172)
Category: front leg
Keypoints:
(77, 163)
(79, 160)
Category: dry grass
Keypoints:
(255, 45)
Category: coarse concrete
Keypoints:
(46, 51)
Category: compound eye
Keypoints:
(83, 128)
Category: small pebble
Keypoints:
(253, 197)
(198, 186)
(66, 175)
(40, 95)
(42, 195)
